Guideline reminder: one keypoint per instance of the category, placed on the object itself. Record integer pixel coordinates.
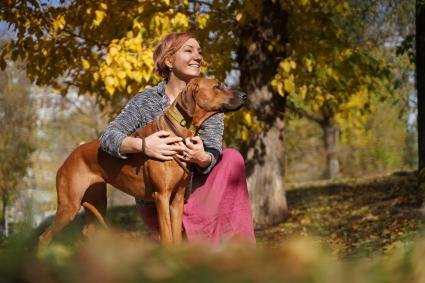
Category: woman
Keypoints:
(218, 209)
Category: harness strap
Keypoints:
(171, 125)
(178, 117)
(181, 120)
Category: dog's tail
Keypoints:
(96, 213)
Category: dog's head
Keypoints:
(203, 98)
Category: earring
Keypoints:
(171, 69)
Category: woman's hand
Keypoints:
(194, 152)
(161, 146)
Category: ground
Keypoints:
(357, 220)
(351, 217)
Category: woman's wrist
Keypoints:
(205, 160)
(131, 145)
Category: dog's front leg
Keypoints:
(162, 202)
(176, 213)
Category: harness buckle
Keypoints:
(201, 131)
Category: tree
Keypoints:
(420, 86)
(344, 74)
(17, 123)
(420, 78)
(80, 43)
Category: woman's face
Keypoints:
(187, 61)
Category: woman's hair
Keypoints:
(167, 47)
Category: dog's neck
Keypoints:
(181, 124)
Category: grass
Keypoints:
(345, 231)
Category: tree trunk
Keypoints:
(4, 219)
(266, 186)
(420, 87)
(420, 79)
(258, 64)
(330, 133)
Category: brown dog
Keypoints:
(84, 174)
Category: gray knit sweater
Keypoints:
(143, 108)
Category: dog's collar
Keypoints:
(179, 118)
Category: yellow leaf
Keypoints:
(86, 64)
(109, 81)
(96, 76)
(110, 85)
(127, 65)
(203, 20)
(123, 82)
(99, 16)
(59, 23)
(309, 64)
(289, 84)
(238, 16)
(181, 20)
(286, 66)
(248, 119)
(270, 47)
(244, 134)
(108, 59)
(146, 75)
(305, 2)
(121, 74)
(303, 91)
(137, 76)
(103, 6)
(110, 89)
(113, 51)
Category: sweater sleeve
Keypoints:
(212, 138)
(124, 124)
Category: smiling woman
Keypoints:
(219, 208)
(187, 59)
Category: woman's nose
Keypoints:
(198, 57)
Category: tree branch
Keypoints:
(305, 114)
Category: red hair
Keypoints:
(167, 47)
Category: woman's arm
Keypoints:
(116, 141)
(124, 124)
(212, 138)
(159, 145)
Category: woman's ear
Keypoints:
(168, 61)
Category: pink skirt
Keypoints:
(218, 208)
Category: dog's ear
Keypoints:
(186, 100)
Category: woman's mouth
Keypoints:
(195, 66)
